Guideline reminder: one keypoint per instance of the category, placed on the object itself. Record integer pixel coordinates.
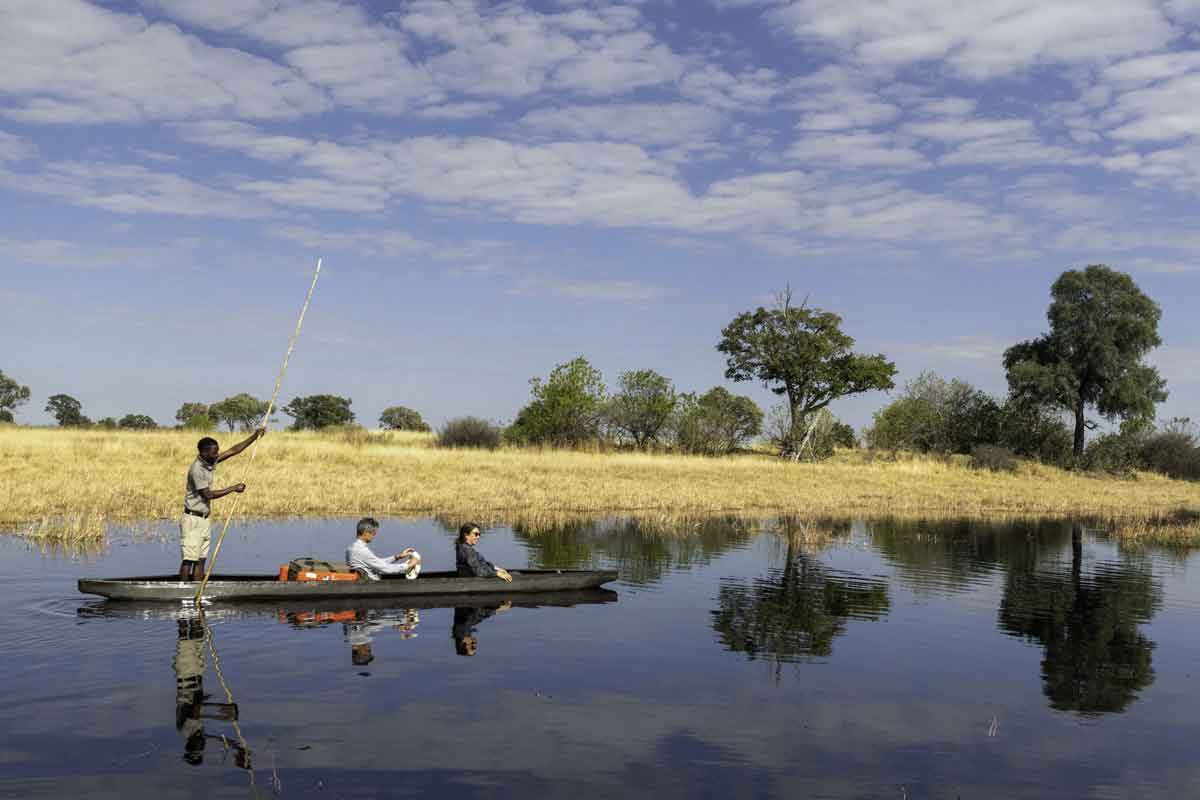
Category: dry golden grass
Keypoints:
(73, 483)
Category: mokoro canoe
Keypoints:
(268, 587)
(294, 609)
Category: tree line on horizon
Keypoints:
(1101, 327)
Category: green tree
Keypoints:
(193, 415)
(1035, 430)
(642, 405)
(240, 410)
(1101, 327)
(801, 353)
(716, 422)
(827, 433)
(67, 410)
(566, 407)
(12, 396)
(401, 418)
(934, 415)
(137, 422)
(319, 411)
(107, 423)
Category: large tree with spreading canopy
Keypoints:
(1101, 328)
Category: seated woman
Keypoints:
(470, 563)
(363, 561)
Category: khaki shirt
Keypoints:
(200, 476)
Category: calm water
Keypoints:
(894, 662)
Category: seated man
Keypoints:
(407, 562)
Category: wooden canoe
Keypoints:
(297, 610)
(169, 588)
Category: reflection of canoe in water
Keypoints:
(269, 587)
(297, 610)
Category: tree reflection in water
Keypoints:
(1096, 660)
(795, 613)
(642, 552)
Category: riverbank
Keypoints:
(72, 484)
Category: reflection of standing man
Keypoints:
(194, 526)
(189, 689)
(190, 706)
(366, 622)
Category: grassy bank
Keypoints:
(71, 484)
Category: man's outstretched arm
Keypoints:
(242, 445)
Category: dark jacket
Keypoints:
(470, 564)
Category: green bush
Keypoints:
(566, 409)
(991, 457)
(936, 416)
(1112, 454)
(1173, 451)
(402, 418)
(715, 423)
(469, 432)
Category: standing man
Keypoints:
(194, 526)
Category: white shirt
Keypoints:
(360, 557)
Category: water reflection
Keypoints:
(643, 552)
(192, 703)
(1096, 660)
(794, 613)
(466, 620)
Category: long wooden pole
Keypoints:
(237, 498)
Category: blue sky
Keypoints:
(496, 188)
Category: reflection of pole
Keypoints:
(237, 728)
(1076, 551)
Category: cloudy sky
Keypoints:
(499, 187)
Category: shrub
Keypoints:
(139, 422)
(715, 423)
(1036, 431)
(1173, 451)
(566, 409)
(469, 432)
(991, 457)
(402, 418)
(827, 434)
(642, 406)
(936, 416)
(1112, 454)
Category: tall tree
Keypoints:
(12, 395)
(67, 410)
(241, 410)
(1101, 327)
(801, 353)
(642, 405)
(565, 408)
(402, 418)
(319, 411)
(137, 422)
(188, 414)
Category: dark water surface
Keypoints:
(894, 661)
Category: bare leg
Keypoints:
(198, 570)
(185, 570)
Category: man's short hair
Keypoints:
(366, 524)
(206, 442)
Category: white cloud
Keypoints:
(835, 98)
(629, 292)
(855, 150)
(64, 253)
(643, 123)
(1168, 110)
(14, 148)
(978, 40)
(71, 62)
(457, 111)
(748, 91)
(242, 137)
(132, 189)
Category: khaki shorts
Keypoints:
(194, 536)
